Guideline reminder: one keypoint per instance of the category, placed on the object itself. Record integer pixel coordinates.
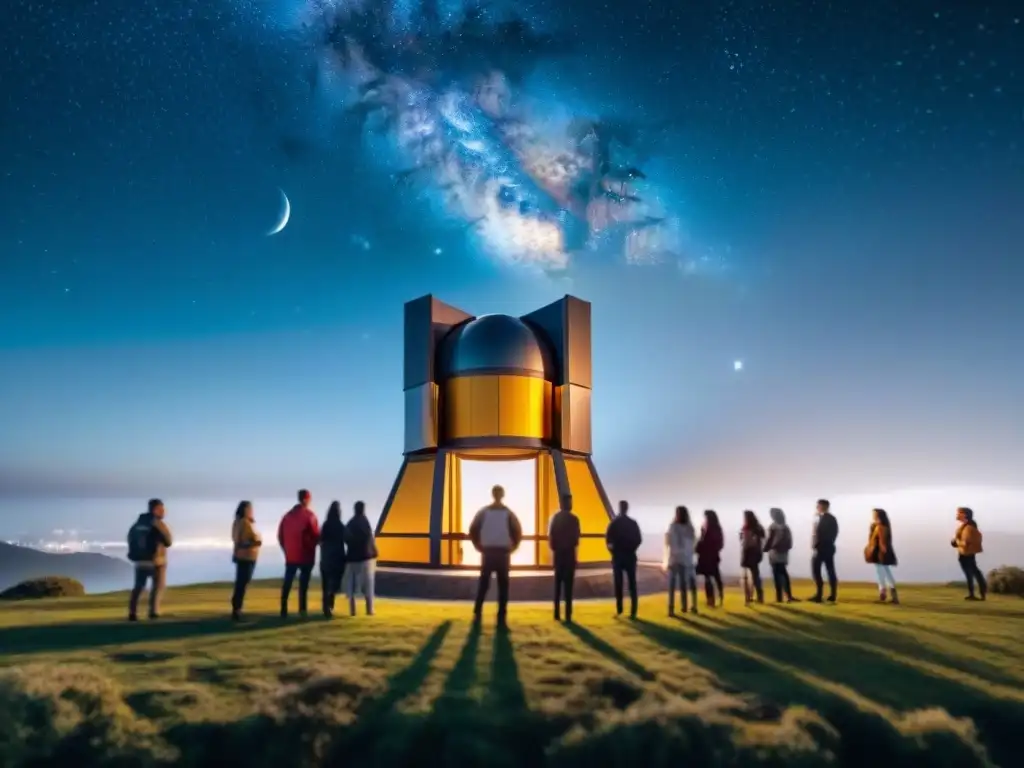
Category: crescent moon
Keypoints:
(286, 214)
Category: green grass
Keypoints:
(935, 681)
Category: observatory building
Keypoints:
(493, 388)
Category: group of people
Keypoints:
(348, 554)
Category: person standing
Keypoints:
(967, 542)
(623, 539)
(247, 543)
(679, 546)
(564, 540)
(148, 540)
(880, 553)
(360, 559)
(496, 534)
(709, 557)
(823, 547)
(751, 554)
(778, 544)
(332, 557)
(298, 535)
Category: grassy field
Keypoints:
(935, 681)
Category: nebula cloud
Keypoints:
(445, 88)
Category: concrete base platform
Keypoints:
(526, 586)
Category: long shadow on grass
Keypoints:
(609, 651)
(897, 639)
(876, 675)
(282, 740)
(866, 737)
(463, 729)
(82, 635)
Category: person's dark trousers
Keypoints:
(627, 568)
(829, 563)
(497, 562)
(144, 574)
(243, 575)
(780, 575)
(565, 574)
(305, 572)
(755, 578)
(969, 565)
(711, 581)
(330, 585)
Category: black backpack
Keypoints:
(141, 541)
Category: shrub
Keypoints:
(1006, 580)
(47, 586)
(74, 716)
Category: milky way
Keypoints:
(447, 90)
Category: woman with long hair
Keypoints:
(752, 552)
(778, 544)
(709, 556)
(247, 543)
(332, 556)
(880, 553)
(679, 545)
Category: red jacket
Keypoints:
(298, 535)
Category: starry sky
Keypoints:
(834, 191)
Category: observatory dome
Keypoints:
(496, 344)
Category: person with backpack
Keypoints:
(148, 540)
(360, 559)
(623, 539)
(247, 548)
(967, 542)
(298, 534)
(880, 553)
(496, 534)
(709, 557)
(332, 557)
(752, 552)
(564, 540)
(679, 545)
(777, 545)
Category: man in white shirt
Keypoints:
(496, 534)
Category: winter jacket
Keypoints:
(679, 546)
(495, 527)
(968, 539)
(778, 543)
(246, 540)
(359, 543)
(826, 531)
(332, 545)
(709, 550)
(623, 539)
(298, 535)
(751, 546)
(879, 548)
(564, 534)
(161, 540)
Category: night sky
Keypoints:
(833, 195)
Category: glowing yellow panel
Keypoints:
(410, 509)
(515, 416)
(457, 407)
(404, 550)
(593, 551)
(586, 500)
(547, 503)
(484, 405)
